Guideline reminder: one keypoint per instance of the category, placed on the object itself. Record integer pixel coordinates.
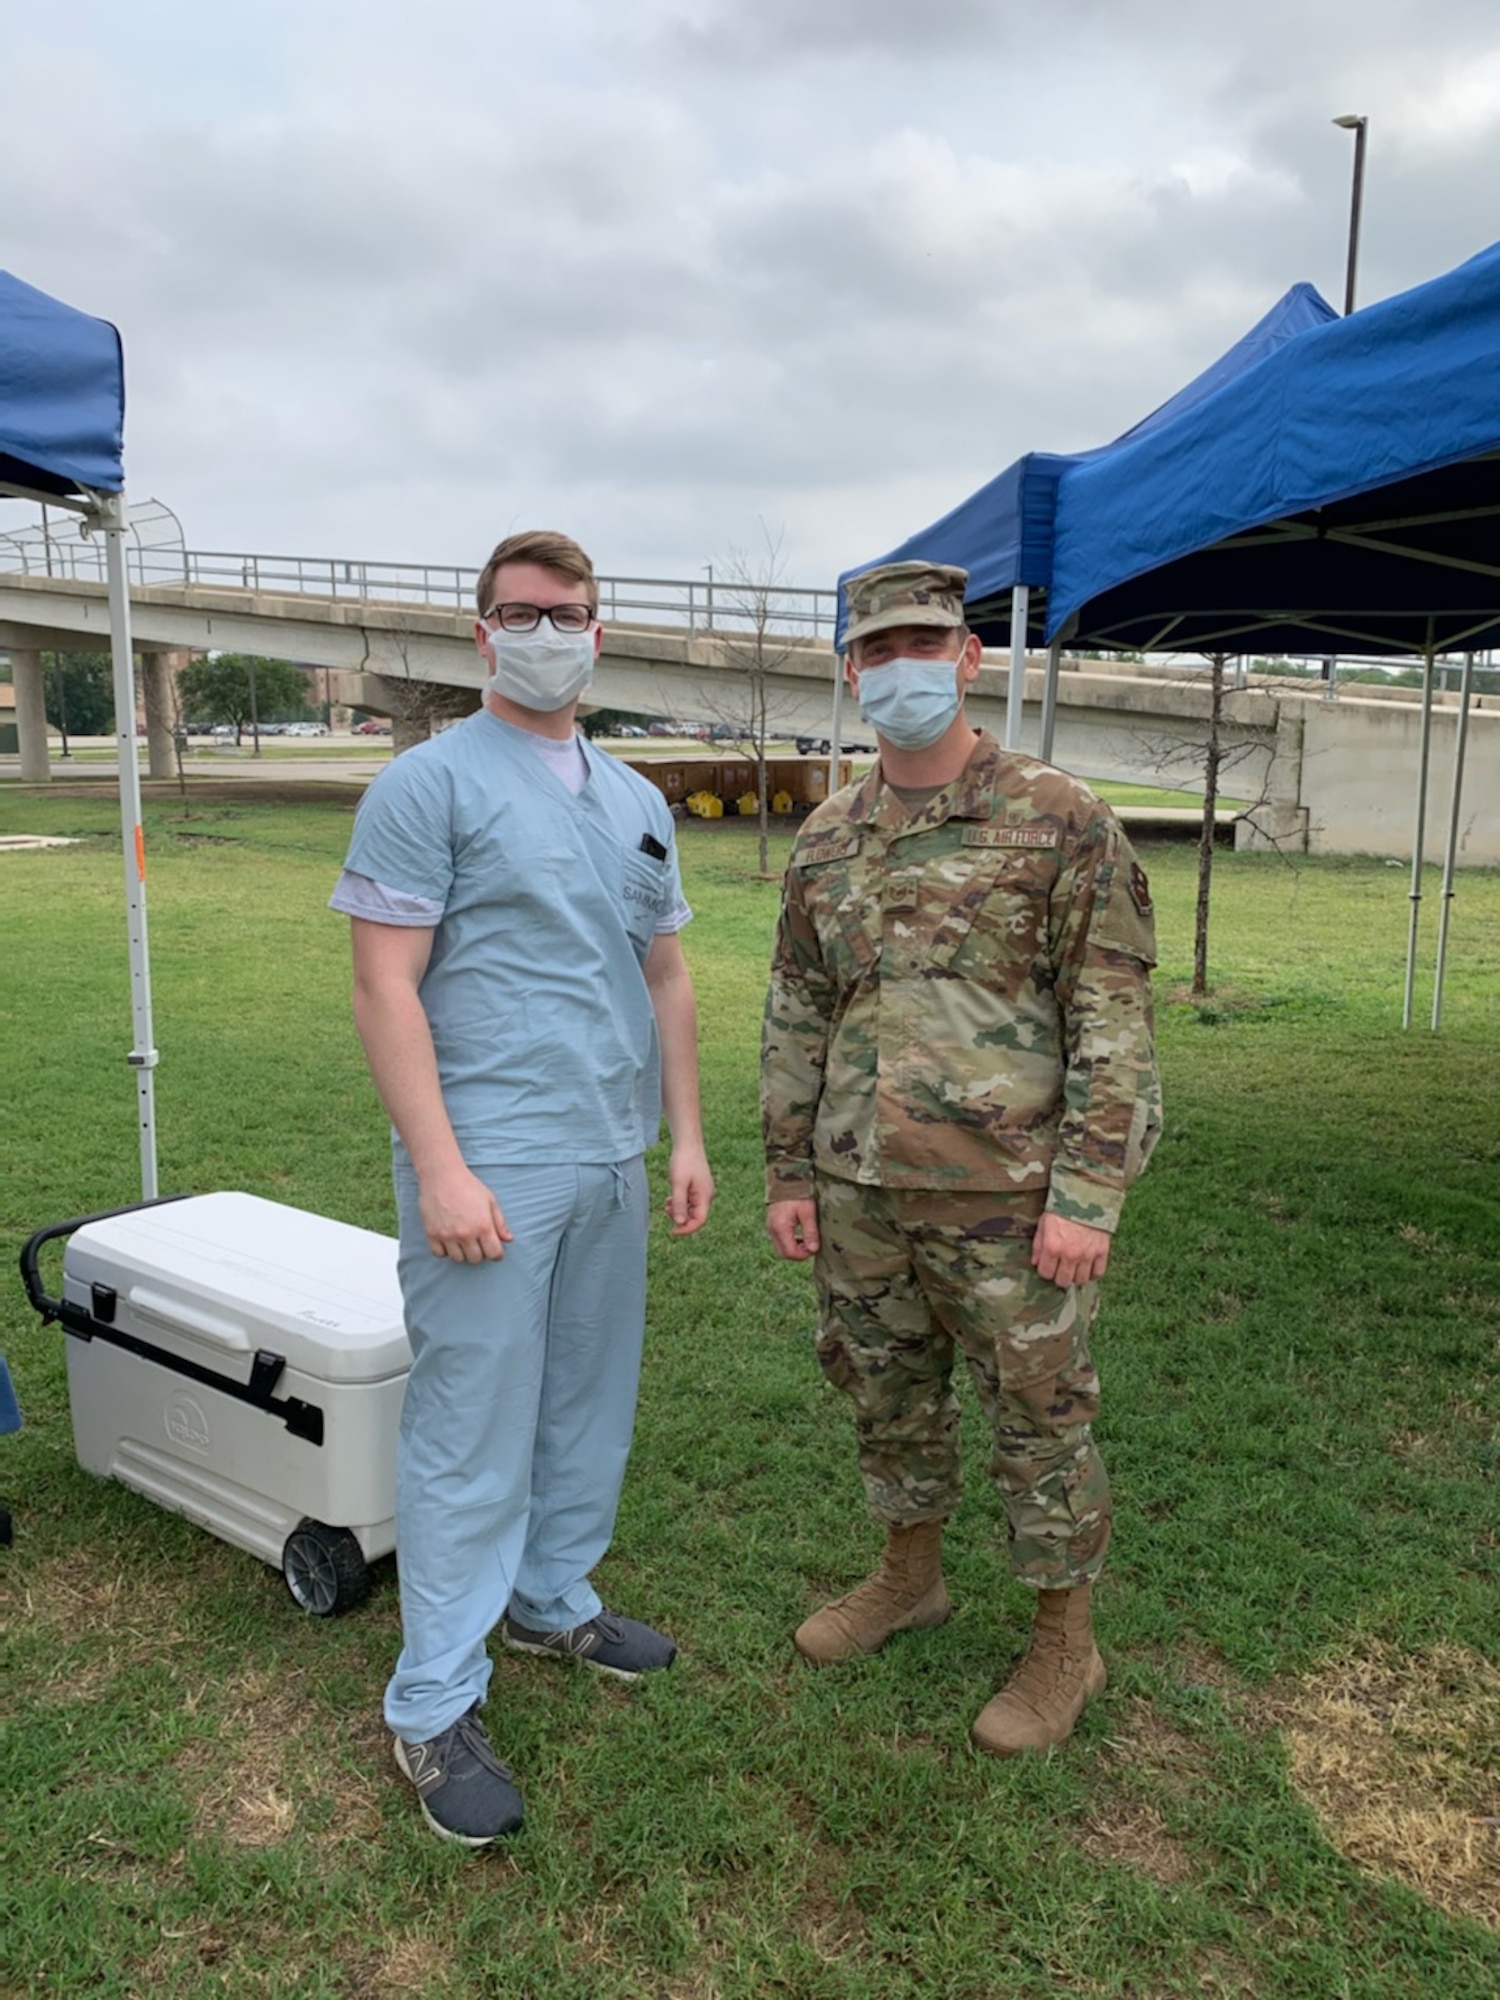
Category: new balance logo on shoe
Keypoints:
(614, 1645)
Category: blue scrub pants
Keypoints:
(516, 1424)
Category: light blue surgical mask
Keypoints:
(544, 669)
(910, 702)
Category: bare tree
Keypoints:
(1213, 760)
(414, 704)
(179, 740)
(757, 639)
(1217, 753)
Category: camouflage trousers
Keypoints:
(909, 1280)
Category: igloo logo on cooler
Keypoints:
(187, 1426)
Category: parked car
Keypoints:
(305, 729)
(820, 746)
(371, 727)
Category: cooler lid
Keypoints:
(231, 1273)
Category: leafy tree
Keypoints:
(218, 688)
(80, 692)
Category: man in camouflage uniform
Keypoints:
(958, 1087)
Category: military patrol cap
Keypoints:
(904, 593)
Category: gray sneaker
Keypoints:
(464, 1790)
(614, 1645)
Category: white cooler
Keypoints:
(242, 1363)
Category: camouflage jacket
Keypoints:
(960, 998)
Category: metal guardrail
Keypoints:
(703, 605)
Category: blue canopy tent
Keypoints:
(1342, 496)
(62, 414)
(1003, 534)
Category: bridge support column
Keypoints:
(1283, 821)
(31, 716)
(156, 684)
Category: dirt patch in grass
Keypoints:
(1465, 1431)
(1147, 1763)
(1128, 1833)
(416, 1963)
(1216, 1977)
(1145, 1740)
(1221, 1006)
(190, 1940)
(126, 1618)
(74, 1592)
(261, 791)
(1192, 1667)
(827, 1918)
(281, 1764)
(1399, 1757)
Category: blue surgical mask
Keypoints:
(910, 702)
(544, 669)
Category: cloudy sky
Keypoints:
(676, 275)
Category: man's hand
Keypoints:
(690, 1189)
(793, 1229)
(1069, 1253)
(462, 1218)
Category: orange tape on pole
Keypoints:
(140, 854)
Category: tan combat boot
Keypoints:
(906, 1594)
(1045, 1696)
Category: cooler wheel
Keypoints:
(324, 1569)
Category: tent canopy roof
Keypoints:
(62, 397)
(1342, 496)
(1003, 534)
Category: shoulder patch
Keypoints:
(1140, 889)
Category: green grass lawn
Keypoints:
(1291, 1787)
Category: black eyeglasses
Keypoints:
(526, 617)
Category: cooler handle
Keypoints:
(31, 1277)
(178, 1316)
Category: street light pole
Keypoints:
(1353, 122)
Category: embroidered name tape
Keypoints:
(816, 848)
(1009, 836)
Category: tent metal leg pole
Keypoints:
(1020, 599)
(1049, 700)
(836, 733)
(142, 1056)
(1419, 837)
(1450, 856)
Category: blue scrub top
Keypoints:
(542, 1023)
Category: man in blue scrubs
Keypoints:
(527, 1015)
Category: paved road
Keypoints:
(354, 763)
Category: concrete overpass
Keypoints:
(1330, 775)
